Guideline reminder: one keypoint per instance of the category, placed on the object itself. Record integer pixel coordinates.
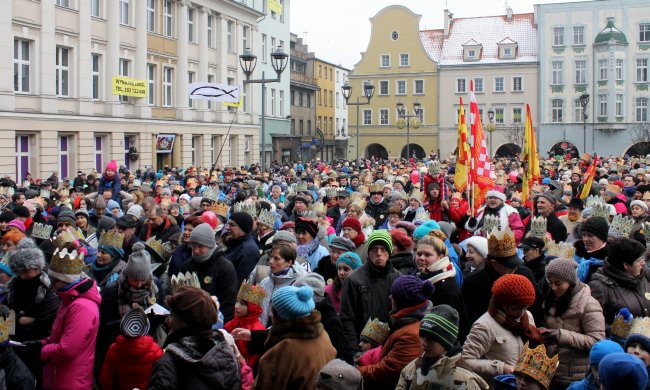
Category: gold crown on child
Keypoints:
(536, 364)
(376, 330)
(251, 293)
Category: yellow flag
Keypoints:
(463, 162)
(530, 158)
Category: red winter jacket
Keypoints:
(129, 363)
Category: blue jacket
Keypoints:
(244, 253)
(115, 185)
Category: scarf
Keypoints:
(439, 270)
(522, 329)
(305, 250)
(247, 321)
(127, 295)
(102, 271)
(359, 239)
(24, 292)
(164, 226)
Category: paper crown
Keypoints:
(66, 236)
(613, 188)
(45, 194)
(490, 222)
(593, 200)
(64, 192)
(160, 183)
(7, 191)
(646, 232)
(191, 183)
(376, 331)
(622, 325)
(422, 215)
(301, 186)
(501, 243)
(331, 192)
(538, 227)
(620, 226)
(251, 293)
(113, 239)
(267, 218)
(248, 208)
(309, 214)
(159, 247)
(186, 279)
(210, 193)
(641, 326)
(417, 195)
(563, 249)
(433, 167)
(363, 190)
(318, 207)
(42, 231)
(220, 208)
(4, 329)
(68, 263)
(376, 188)
(537, 365)
(137, 182)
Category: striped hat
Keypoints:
(441, 324)
(380, 237)
(134, 324)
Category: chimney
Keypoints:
(508, 13)
(448, 17)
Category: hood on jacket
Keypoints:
(85, 288)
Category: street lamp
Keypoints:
(584, 100)
(403, 114)
(247, 61)
(368, 91)
(491, 127)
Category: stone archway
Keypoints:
(376, 151)
(416, 150)
(641, 149)
(563, 148)
(508, 151)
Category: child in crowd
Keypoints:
(248, 308)
(638, 342)
(597, 353)
(110, 180)
(371, 340)
(622, 371)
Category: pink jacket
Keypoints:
(69, 353)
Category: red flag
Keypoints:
(482, 174)
(589, 179)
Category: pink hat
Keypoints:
(112, 165)
(18, 224)
(513, 176)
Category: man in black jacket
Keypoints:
(377, 208)
(335, 211)
(534, 257)
(546, 203)
(241, 250)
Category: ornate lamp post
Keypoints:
(368, 91)
(491, 127)
(403, 114)
(584, 101)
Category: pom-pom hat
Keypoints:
(292, 302)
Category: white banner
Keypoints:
(214, 92)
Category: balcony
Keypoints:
(307, 81)
(300, 55)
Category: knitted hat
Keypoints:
(342, 243)
(564, 270)
(316, 282)
(425, 228)
(602, 349)
(548, 196)
(21, 211)
(194, 306)
(112, 205)
(301, 198)
(136, 210)
(409, 290)
(410, 227)
(115, 252)
(127, 221)
(639, 203)
(243, 220)
(26, 256)
(480, 244)
(285, 236)
(307, 225)
(513, 289)
(441, 324)
(640, 333)
(401, 240)
(204, 235)
(81, 211)
(496, 194)
(105, 223)
(597, 226)
(446, 228)
(292, 302)
(134, 324)
(622, 371)
(380, 237)
(139, 265)
(112, 165)
(351, 259)
(353, 223)
(99, 203)
(338, 375)
(18, 224)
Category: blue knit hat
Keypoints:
(622, 371)
(425, 228)
(115, 252)
(351, 259)
(602, 349)
(380, 237)
(292, 302)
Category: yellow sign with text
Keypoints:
(275, 6)
(231, 104)
(129, 87)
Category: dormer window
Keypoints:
(507, 52)
(507, 49)
(472, 50)
(471, 53)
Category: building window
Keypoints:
(21, 65)
(22, 157)
(308, 100)
(558, 36)
(460, 85)
(64, 162)
(99, 152)
(300, 98)
(325, 97)
(507, 52)
(499, 115)
(421, 116)
(151, 84)
(383, 87)
(210, 32)
(367, 117)
(418, 87)
(642, 109)
(94, 8)
(383, 116)
(272, 101)
(471, 53)
(602, 69)
(63, 3)
(95, 75)
(644, 32)
(578, 35)
(124, 12)
(557, 111)
(190, 24)
(403, 60)
(331, 99)
(281, 104)
(124, 71)
(264, 53)
(151, 15)
(499, 84)
(337, 100)
(516, 115)
(401, 87)
(557, 78)
(231, 28)
(619, 105)
(128, 143)
(190, 80)
(211, 80)
(478, 84)
(619, 69)
(167, 86)
(62, 71)
(602, 105)
(642, 70)
(578, 110)
(384, 61)
(168, 16)
(244, 36)
(517, 84)
(581, 72)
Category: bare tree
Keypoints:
(513, 134)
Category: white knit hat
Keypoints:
(639, 203)
(496, 194)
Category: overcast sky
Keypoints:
(339, 30)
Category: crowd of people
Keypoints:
(348, 275)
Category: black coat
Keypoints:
(334, 212)
(378, 211)
(538, 267)
(327, 270)
(556, 228)
(333, 326)
(14, 374)
(23, 298)
(244, 254)
(218, 277)
(404, 262)
(447, 292)
(162, 232)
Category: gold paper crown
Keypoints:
(363, 190)
(248, 208)
(537, 365)
(620, 226)
(219, 208)
(66, 236)
(157, 246)
(417, 195)
(359, 201)
(318, 207)
(186, 279)
(45, 194)
(538, 227)
(331, 192)
(501, 243)
(191, 183)
(516, 195)
(42, 231)
(251, 293)
(614, 188)
(641, 326)
(7, 191)
(376, 188)
(601, 210)
(68, 263)
(563, 250)
(161, 183)
(621, 328)
(490, 222)
(211, 194)
(309, 214)
(422, 215)
(113, 239)
(267, 218)
(64, 192)
(4, 330)
(376, 330)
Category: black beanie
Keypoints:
(243, 220)
(597, 226)
(21, 211)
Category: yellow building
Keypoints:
(402, 70)
(324, 73)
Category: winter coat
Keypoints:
(599, 254)
(404, 262)
(273, 282)
(196, 363)
(114, 185)
(580, 327)
(508, 216)
(129, 363)
(490, 346)
(110, 278)
(538, 267)
(315, 257)
(243, 253)
(14, 374)
(181, 254)
(334, 297)
(333, 326)
(69, 353)
(219, 278)
(32, 298)
(379, 212)
(284, 365)
(365, 294)
(443, 373)
(327, 269)
(615, 289)
(556, 228)
(161, 233)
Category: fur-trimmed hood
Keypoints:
(308, 327)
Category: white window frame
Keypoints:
(602, 70)
(557, 112)
(641, 109)
(507, 52)
(642, 70)
(581, 72)
(19, 65)
(557, 72)
(62, 71)
(619, 105)
(244, 36)
(191, 30)
(478, 81)
(366, 115)
(124, 12)
(63, 3)
(602, 105)
(421, 115)
(210, 31)
(168, 92)
(272, 105)
(211, 80)
(620, 69)
(502, 81)
(402, 56)
(387, 84)
(399, 83)
(95, 84)
(579, 113)
(151, 84)
(578, 32)
(191, 76)
(230, 27)
(520, 110)
(281, 103)
(644, 32)
(558, 36)
(521, 84)
(168, 18)
(384, 117)
(151, 16)
(457, 85)
(124, 68)
(95, 8)
(415, 87)
(502, 112)
(383, 57)
(64, 154)
(264, 48)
